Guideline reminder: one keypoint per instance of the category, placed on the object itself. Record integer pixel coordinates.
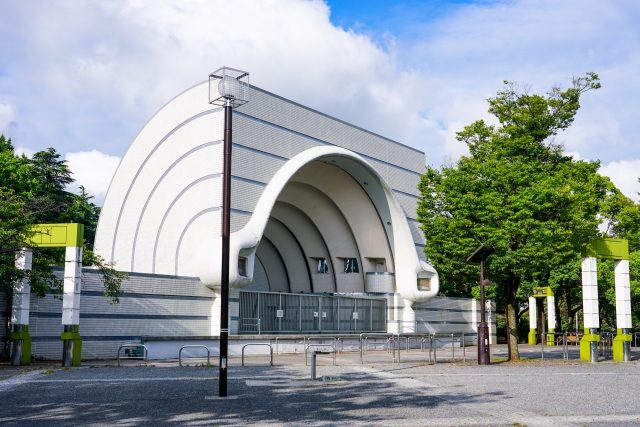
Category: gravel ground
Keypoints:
(412, 393)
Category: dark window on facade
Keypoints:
(323, 267)
(351, 265)
(424, 284)
(242, 266)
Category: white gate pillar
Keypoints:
(622, 341)
(533, 322)
(20, 312)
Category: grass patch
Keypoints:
(47, 372)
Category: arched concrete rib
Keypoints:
(133, 181)
(155, 187)
(184, 190)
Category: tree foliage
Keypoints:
(517, 192)
(32, 191)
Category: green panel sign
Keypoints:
(602, 248)
(57, 235)
(542, 292)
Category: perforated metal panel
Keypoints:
(306, 313)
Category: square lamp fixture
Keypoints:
(228, 85)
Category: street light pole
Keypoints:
(484, 357)
(228, 88)
(226, 232)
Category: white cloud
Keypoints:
(88, 75)
(624, 175)
(93, 170)
(24, 150)
(6, 116)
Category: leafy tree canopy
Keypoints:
(517, 192)
(32, 191)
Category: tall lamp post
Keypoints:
(484, 358)
(228, 88)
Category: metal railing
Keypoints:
(194, 346)
(248, 322)
(363, 341)
(270, 351)
(306, 350)
(434, 339)
(635, 339)
(145, 353)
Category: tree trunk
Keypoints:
(558, 325)
(540, 319)
(510, 291)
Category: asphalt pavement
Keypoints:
(377, 392)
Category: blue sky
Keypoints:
(84, 77)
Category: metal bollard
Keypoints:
(453, 351)
(313, 362)
(313, 366)
(435, 348)
(464, 350)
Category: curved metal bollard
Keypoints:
(270, 351)
(194, 346)
(145, 357)
(313, 362)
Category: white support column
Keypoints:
(623, 294)
(22, 290)
(532, 338)
(408, 325)
(590, 293)
(533, 314)
(551, 313)
(72, 285)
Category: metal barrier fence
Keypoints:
(194, 346)
(434, 338)
(392, 344)
(311, 313)
(145, 353)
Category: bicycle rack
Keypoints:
(145, 357)
(194, 346)
(270, 351)
(306, 348)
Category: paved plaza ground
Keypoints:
(377, 392)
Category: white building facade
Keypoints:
(317, 205)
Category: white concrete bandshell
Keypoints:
(162, 213)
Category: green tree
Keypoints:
(516, 192)
(32, 191)
(623, 222)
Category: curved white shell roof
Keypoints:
(162, 212)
